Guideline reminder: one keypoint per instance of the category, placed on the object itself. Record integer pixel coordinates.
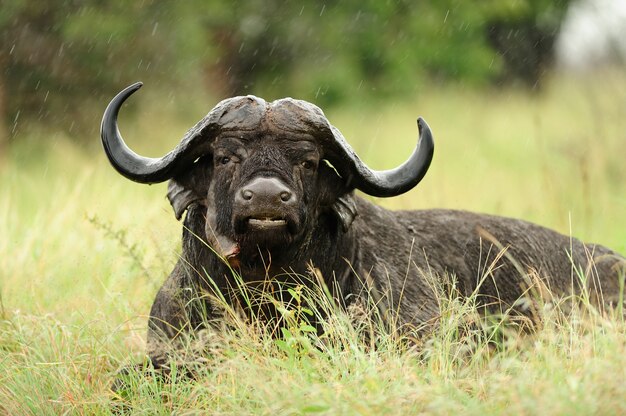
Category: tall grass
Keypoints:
(83, 251)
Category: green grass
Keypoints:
(83, 252)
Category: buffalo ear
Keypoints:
(336, 195)
(345, 209)
(181, 197)
(190, 187)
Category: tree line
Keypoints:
(58, 56)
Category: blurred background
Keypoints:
(526, 99)
(62, 60)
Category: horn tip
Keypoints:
(421, 125)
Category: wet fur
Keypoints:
(405, 257)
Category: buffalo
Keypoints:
(267, 192)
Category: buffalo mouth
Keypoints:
(266, 223)
(265, 230)
(274, 223)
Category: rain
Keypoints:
(525, 100)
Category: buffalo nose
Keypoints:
(265, 191)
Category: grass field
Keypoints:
(83, 252)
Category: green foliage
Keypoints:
(61, 60)
(330, 51)
(60, 57)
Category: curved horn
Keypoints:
(391, 182)
(139, 168)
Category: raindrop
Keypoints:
(17, 116)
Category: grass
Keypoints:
(83, 252)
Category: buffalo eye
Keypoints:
(307, 164)
(225, 160)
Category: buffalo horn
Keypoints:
(391, 182)
(139, 168)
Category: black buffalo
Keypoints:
(269, 192)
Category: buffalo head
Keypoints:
(264, 172)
